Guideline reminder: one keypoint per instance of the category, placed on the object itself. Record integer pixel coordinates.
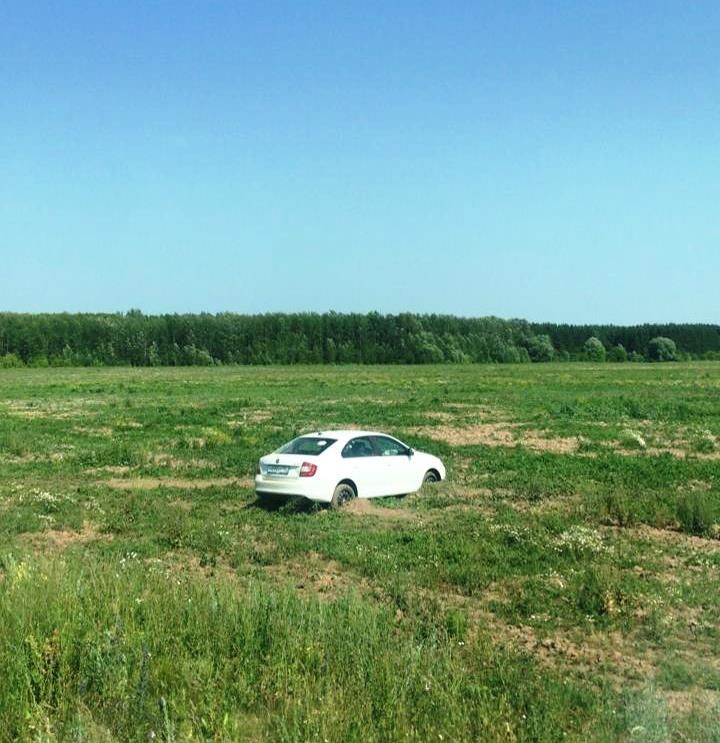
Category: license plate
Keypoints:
(277, 469)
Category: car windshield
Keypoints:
(307, 445)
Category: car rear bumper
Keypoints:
(305, 487)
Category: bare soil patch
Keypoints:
(689, 700)
(612, 652)
(180, 563)
(365, 507)
(598, 649)
(317, 575)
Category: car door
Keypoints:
(395, 467)
(362, 465)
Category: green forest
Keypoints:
(137, 339)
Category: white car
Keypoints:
(335, 466)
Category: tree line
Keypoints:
(136, 339)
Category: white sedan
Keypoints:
(335, 466)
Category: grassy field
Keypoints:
(562, 584)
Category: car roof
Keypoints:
(343, 435)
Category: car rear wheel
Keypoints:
(344, 492)
(430, 476)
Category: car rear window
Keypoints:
(307, 445)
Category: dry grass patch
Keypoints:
(656, 451)
(561, 504)
(59, 539)
(559, 445)
(57, 409)
(655, 438)
(111, 469)
(182, 504)
(680, 539)
(164, 459)
(102, 431)
(488, 434)
(440, 415)
(152, 483)
(499, 434)
(482, 411)
(695, 486)
(250, 417)
(56, 456)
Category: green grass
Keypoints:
(562, 584)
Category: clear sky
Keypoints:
(548, 160)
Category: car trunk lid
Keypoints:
(282, 466)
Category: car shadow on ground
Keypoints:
(285, 504)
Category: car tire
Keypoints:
(430, 476)
(343, 493)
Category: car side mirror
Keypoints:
(410, 452)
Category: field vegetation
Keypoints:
(561, 584)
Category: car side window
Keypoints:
(359, 447)
(387, 447)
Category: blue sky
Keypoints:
(549, 160)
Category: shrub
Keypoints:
(696, 514)
(647, 717)
(630, 439)
(594, 349)
(597, 592)
(617, 353)
(540, 348)
(10, 361)
(705, 442)
(662, 349)
(456, 624)
(620, 508)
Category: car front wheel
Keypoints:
(430, 476)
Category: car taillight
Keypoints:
(307, 469)
(257, 468)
